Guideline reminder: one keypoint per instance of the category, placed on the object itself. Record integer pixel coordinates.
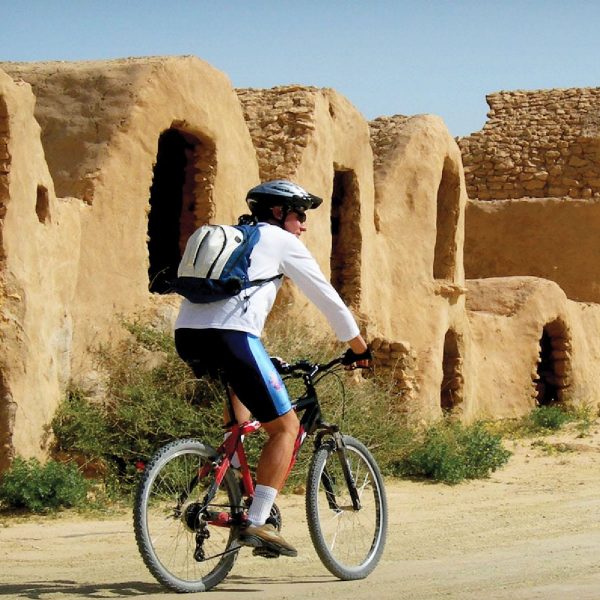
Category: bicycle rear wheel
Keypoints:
(174, 524)
(349, 542)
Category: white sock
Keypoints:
(235, 459)
(260, 509)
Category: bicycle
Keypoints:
(190, 502)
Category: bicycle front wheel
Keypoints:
(182, 533)
(348, 541)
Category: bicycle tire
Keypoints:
(349, 542)
(167, 518)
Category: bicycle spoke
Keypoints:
(348, 541)
(180, 546)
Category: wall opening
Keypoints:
(8, 409)
(180, 201)
(5, 161)
(42, 204)
(346, 237)
(553, 369)
(451, 391)
(448, 209)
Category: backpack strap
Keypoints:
(256, 282)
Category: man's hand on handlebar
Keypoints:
(353, 360)
(281, 366)
(358, 355)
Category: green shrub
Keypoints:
(152, 398)
(451, 452)
(551, 418)
(144, 408)
(81, 426)
(40, 488)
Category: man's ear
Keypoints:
(277, 212)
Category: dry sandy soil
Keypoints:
(532, 530)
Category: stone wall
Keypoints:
(399, 360)
(543, 143)
(281, 122)
(384, 138)
(317, 138)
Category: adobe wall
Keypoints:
(407, 177)
(38, 269)
(117, 138)
(543, 143)
(508, 317)
(553, 238)
(74, 269)
(419, 204)
(112, 114)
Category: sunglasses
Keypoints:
(300, 215)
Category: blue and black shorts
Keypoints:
(240, 360)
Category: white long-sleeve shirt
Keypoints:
(276, 252)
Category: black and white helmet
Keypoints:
(280, 192)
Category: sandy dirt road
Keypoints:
(530, 531)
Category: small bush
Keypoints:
(41, 488)
(549, 418)
(153, 398)
(545, 420)
(145, 408)
(452, 452)
(81, 426)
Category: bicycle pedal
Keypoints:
(265, 553)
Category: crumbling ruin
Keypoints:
(107, 167)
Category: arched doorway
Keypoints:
(448, 210)
(346, 237)
(451, 390)
(554, 363)
(8, 410)
(180, 201)
(5, 162)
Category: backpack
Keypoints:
(215, 263)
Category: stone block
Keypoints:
(534, 184)
(576, 161)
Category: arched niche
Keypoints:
(346, 237)
(553, 369)
(180, 200)
(447, 214)
(451, 389)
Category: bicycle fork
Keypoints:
(328, 482)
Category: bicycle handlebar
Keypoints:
(306, 367)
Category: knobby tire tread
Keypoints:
(324, 454)
(161, 573)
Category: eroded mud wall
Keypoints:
(553, 238)
(419, 205)
(40, 254)
(112, 115)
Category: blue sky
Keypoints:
(387, 57)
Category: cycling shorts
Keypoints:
(239, 360)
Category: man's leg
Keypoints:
(277, 453)
(271, 472)
(241, 415)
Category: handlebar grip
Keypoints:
(280, 365)
(350, 357)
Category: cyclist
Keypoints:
(222, 339)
